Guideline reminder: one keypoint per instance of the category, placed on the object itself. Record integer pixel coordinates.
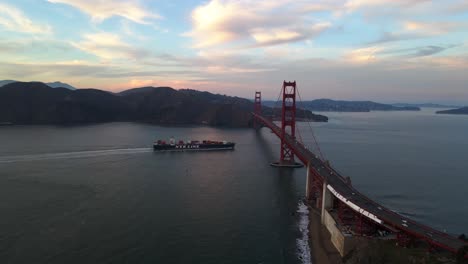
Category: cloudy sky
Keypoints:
(384, 50)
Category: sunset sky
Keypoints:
(383, 50)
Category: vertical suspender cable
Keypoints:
(310, 127)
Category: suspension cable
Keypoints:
(276, 103)
(298, 131)
(310, 127)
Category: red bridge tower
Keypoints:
(288, 126)
(257, 108)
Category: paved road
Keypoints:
(366, 206)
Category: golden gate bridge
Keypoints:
(333, 194)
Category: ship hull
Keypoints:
(193, 147)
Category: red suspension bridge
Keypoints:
(328, 190)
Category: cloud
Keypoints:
(433, 28)
(363, 55)
(252, 23)
(394, 55)
(33, 70)
(422, 51)
(109, 46)
(396, 36)
(17, 47)
(269, 37)
(13, 19)
(458, 7)
(415, 30)
(374, 8)
(101, 10)
(427, 51)
(357, 4)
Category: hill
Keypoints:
(457, 111)
(37, 103)
(50, 84)
(428, 105)
(329, 105)
(60, 85)
(5, 82)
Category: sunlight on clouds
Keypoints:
(141, 83)
(251, 23)
(363, 55)
(411, 25)
(212, 86)
(101, 10)
(109, 46)
(224, 69)
(433, 28)
(262, 36)
(208, 21)
(13, 19)
(74, 62)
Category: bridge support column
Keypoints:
(327, 201)
(257, 108)
(288, 126)
(309, 192)
(314, 187)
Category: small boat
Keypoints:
(192, 145)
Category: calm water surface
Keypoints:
(98, 194)
(416, 163)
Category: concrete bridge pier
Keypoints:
(327, 201)
(309, 188)
(314, 184)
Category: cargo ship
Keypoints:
(192, 145)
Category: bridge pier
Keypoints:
(314, 187)
(309, 193)
(327, 201)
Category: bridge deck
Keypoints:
(340, 186)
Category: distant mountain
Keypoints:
(328, 105)
(5, 82)
(428, 105)
(37, 103)
(50, 84)
(457, 111)
(60, 85)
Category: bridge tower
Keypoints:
(288, 120)
(257, 108)
(288, 125)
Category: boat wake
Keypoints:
(303, 241)
(72, 155)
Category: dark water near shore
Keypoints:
(98, 194)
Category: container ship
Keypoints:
(192, 145)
